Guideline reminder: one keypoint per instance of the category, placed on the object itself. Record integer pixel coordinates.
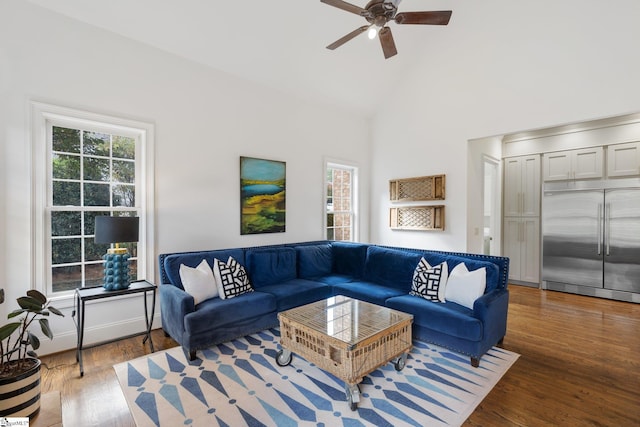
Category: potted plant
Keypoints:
(19, 364)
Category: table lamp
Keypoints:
(116, 230)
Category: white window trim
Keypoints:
(41, 116)
(342, 164)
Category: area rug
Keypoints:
(240, 384)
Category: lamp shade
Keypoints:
(116, 229)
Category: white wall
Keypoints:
(501, 67)
(204, 121)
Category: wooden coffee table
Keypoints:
(347, 337)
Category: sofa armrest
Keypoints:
(491, 309)
(175, 304)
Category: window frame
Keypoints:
(44, 117)
(353, 168)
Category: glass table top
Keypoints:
(346, 319)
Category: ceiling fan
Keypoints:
(378, 13)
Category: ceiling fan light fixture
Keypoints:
(372, 32)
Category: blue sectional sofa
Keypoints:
(288, 275)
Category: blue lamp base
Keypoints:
(116, 271)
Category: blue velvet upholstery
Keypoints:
(270, 266)
(287, 276)
(349, 258)
(314, 261)
(391, 267)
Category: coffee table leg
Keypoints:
(353, 395)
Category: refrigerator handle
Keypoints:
(607, 233)
(599, 228)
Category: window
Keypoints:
(341, 197)
(85, 165)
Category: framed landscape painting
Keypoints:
(262, 196)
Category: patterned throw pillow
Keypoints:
(231, 278)
(429, 282)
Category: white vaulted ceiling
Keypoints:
(277, 43)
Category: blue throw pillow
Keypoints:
(314, 261)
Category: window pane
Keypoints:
(96, 169)
(123, 147)
(65, 223)
(66, 193)
(65, 251)
(90, 221)
(124, 195)
(65, 166)
(94, 251)
(330, 220)
(96, 194)
(330, 234)
(132, 247)
(66, 140)
(96, 143)
(124, 171)
(93, 275)
(133, 269)
(66, 278)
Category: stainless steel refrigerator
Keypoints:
(591, 238)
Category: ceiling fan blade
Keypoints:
(343, 40)
(426, 18)
(345, 6)
(386, 40)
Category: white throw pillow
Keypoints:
(231, 278)
(199, 282)
(465, 287)
(430, 282)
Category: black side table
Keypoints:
(98, 292)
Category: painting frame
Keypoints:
(263, 185)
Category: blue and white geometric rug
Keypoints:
(239, 384)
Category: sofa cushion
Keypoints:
(391, 267)
(296, 292)
(349, 258)
(231, 278)
(366, 291)
(270, 266)
(430, 282)
(447, 318)
(217, 313)
(199, 282)
(192, 259)
(314, 261)
(464, 286)
(493, 273)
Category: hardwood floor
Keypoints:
(579, 366)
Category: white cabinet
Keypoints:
(522, 246)
(623, 160)
(522, 186)
(573, 164)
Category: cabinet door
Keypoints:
(512, 186)
(530, 187)
(587, 163)
(556, 166)
(530, 250)
(512, 242)
(623, 159)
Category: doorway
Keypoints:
(491, 206)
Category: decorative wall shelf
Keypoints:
(417, 189)
(417, 218)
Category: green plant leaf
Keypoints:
(15, 313)
(1, 296)
(33, 340)
(44, 325)
(32, 354)
(55, 311)
(8, 329)
(30, 304)
(37, 295)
